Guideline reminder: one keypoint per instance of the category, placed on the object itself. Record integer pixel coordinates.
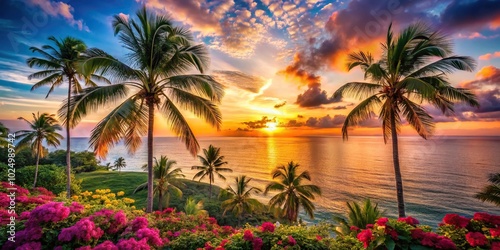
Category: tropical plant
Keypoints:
(120, 163)
(292, 193)
(239, 201)
(60, 65)
(211, 165)
(193, 207)
(412, 71)
(159, 55)
(358, 216)
(4, 133)
(167, 180)
(491, 192)
(43, 128)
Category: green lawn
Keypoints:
(128, 181)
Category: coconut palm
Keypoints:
(60, 64)
(159, 56)
(43, 129)
(412, 71)
(4, 133)
(292, 193)
(192, 207)
(120, 163)
(239, 201)
(358, 216)
(491, 192)
(211, 165)
(167, 180)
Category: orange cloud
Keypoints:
(488, 72)
(489, 56)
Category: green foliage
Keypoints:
(491, 192)
(239, 200)
(193, 207)
(358, 216)
(51, 177)
(211, 165)
(84, 161)
(24, 157)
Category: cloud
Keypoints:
(315, 97)
(124, 16)
(262, 123)
(489, 56)
(339, 107)
(471, 15)
(240, 80)
(59, 9)
(326, 121)
(279, 105)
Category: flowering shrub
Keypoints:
(88, 223)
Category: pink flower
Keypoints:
(456, 220)
(212, 220)
(409, 220)
(257, 243)
(30, 233)
(354, 228)
(417, 234)
(393, 234)
(366, 237)
(495, 245)
(152, 235)
(25, 215)
(484, 217)
(84, 230)
(84, 248)
(30, 246)
(318, 237)
(50, 212)
(139, 223)
(107, 245)
(291, 241)
(476, 239)
(267, 227)
(369, 226)
(76, 208)
(248, 235)
(445, 243)
(495, 232)
(133, 244)
(382, 221)
(168, 210)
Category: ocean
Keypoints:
(440, 175)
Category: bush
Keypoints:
(51, 177)
(24, 157)
(84, 161)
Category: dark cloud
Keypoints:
(262, 123)
(471, 15)
(239, 79)
(326, 121)
(339, 107)
(300, 116)
(293, 123)
(279, 105)
(315, 97)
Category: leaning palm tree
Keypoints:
(120, 163)
(412, 71)
(43, 129)
(60, 64)
(159, 56)
(358, 216)
(4, 133)
(291, 192)
(491, 192)
(211, 166)
(167, 180)
(239, 201)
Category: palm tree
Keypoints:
(292, 194)
(491, 192)
(211, 165)
(167, 180)
(407, 75)
(194, 208)
(160, 54)
(4, 132)
(358, 216)
(239, 201)
(120, 163)
(43, 128)
(60, 65)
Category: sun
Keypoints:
(271, 126)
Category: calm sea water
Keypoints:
(439, 176)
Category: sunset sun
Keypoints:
(271, 126)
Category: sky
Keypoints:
(280, 61)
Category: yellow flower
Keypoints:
(96, 196)
(86, 193)
(115, 202)
(75, 197)
(111, 195)
(108, 206)
(121, 193)
(137, 212)
(128, 200)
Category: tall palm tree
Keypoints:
(358, 216)
(60, 64)
(4, 133)
(211, 165)
(159, 56)
(292, 193)
(412, 70)
(43, 128)
(239, 201)
(120, 163)
(167, 180)
(491, 192)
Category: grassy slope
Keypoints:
(128, 181)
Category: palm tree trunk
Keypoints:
(210, 189)
(149, 206)
(167, 201)
(68, 146)
(397, 170)
(37, 161)
(160, 201)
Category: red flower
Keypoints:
(495, 232)
(409, 220)
(382, 221)
(354, 228)
(291, 241)
(417, 234)
(369, 226)
(495, 245)
(318, 237)
(257, 243)
(445, 243)
(279, 242)
(484, 217)
(248, 235)
(267, 227)
(366, 237)
(393, 234)
(456, 220)
(476, 239)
